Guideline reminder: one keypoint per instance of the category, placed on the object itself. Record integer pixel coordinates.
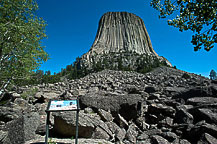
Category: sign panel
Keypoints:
(61, 105)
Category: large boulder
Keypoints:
(126, 105)
(22, 129)
(89, 125)
(198, 91)
(198, 101)
(3, 136)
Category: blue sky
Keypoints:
(72, 26)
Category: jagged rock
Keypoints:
(23, 104)
(140, 122)
(142, 136)
(182, 116)
(40, 140)
(205, 91)
(22, 129)
(126, 105)
(105, 116)
(47, 95)
(159, 140)
(42, 126)
(65, 124)
(10, 113)
(160, 109)
(131, 89)
(197, 101)
(88, 110)
(99, 133)
(132, 133)
(181, 141)
(207, 114)
(167, 112)
(153, 132)
(207, 139)
(174, 90)
(170, 136)
(116, 130)
(122, 122)
(151, 89)
(147, 141)
(3, 136)
(167, 122)
(2, 125)
(201, 128)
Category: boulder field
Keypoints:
(164, 106)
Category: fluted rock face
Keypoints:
(121, 35)
(122, 31)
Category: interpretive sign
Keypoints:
(62, 105)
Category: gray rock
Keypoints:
(22, 129)
(153, 132)
(116, 130)
(151, 89)
(202, 101)
(132, 133)
(99, 133)
(181, 141)
(170, 136)
(126, 105)
(122, 122)
(208, 114)
(47, 95)
(156, 139)
(142, 136)
(88, 110)
(182, 116)
(3, 136)
(207, 139)
(105, 116)
(140, 122)
(205, 91)
(147, 141)
(10, 113)
(158, 109)
(167, 122)
(201, 128)
(65, 124)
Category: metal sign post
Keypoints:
(62, 105)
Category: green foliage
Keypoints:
(28, 93)
(21, 32)
(199, 16)
(50, 141)
(213, 75)
(112, 61)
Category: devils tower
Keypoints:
(121, 35)
(122, 31)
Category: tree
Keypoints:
(213, 75)
(198, 16)
(21, 32)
